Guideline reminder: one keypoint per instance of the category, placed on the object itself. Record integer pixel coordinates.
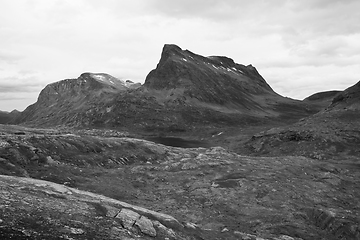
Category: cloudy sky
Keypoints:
(299, 47)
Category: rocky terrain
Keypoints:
(36, 209)
(210, 193)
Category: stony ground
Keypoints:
(326, 135)
(210, 193)
(36, 209)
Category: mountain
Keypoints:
(66, 101)
(216, 82)
(8, 117)
(186, 91)
(322, 98)
(331, 133)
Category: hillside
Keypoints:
(70, 101)
(323, 99)
(331, 133)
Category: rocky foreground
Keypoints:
(37, 209)
(155, 191)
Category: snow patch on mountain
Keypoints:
(99, 77)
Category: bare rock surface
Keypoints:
(168, 192)
(37, 209)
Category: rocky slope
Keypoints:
(68, 101)
(216, 80)
(333, 132)
(37, 209)
(184, 193)
(186, 91)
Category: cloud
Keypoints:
(9, 58)
(302, 81)
(4, 88)
(18, 89)
(313, 17)
(10, 101)
(317, 25)
(214, 10)
(20, 81)
(292, 43)
(310, 32)
(10, 96)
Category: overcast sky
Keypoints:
(299, 47)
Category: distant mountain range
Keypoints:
(185, 90)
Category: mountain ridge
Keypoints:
(68, 94)
(184, 89)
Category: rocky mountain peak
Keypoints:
(87, 83)
(214, 79)
(169, 53)
(59, 102)
(171, 49)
